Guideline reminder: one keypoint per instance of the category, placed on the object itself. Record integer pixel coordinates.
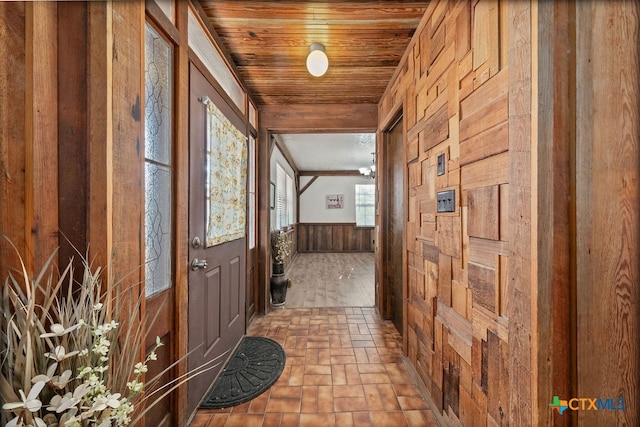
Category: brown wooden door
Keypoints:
(394, 223)
(217, 287)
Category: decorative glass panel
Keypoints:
(226, 184)
(157, 227)
(158, 97)
(253, 115)
(157, 148)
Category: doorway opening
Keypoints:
(330, 216)
(392, 224)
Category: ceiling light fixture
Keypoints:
(317, 61)
(370, 173)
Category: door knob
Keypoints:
(198, 264)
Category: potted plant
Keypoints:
(279, 283)
(66, 354)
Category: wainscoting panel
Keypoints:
(334, 237)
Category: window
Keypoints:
(252, 192)
(290, 198)
(284, 198)
(365, 205)
(157, 162)
(201, 43)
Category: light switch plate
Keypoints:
(447, 201)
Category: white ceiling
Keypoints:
(329, 151)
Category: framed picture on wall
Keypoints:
(273, 196)
(334, 201)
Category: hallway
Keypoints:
(344, 368)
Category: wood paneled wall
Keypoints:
(28, 167)
(334, 237)
(71, 150)
(607, 220)
(510, 297)
(94, 121)
(453, 90)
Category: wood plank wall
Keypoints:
(334, 237)
(607, 221)
(28, 207)
(453, 88)
(516, 296)
(72, 134)
(12, 124)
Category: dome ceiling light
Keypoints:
(317, 61)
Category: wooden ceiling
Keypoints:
(268, 42)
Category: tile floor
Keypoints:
(344, 368)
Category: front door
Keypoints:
(217, 269)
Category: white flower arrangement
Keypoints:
(65, 353)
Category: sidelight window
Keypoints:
(252, 192)
(157, 164)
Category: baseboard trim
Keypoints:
(423, 390)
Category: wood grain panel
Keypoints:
(497, 374)
(334, 237)
(325, 118)
(483, 212)
(607, 215)
(127, 134)
(555, 180)
(458, 299)
(436, 129)
(520, 367)
(485, 40)
(490, 171)
(41, 115)
(72, 122)
(12, 123)
(494, 90)
(493, 141)
(268, 42)
(482, 285)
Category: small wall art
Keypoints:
(334, 201)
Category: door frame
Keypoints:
(227, 106)
(383, 295)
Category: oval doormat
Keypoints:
(255, 365)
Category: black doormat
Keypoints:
(255, 365)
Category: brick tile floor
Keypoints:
(344, 368)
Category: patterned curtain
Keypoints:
(226, 186)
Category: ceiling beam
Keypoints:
(286, 154)
(326, 118)
(331, 173)
(311, 181)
